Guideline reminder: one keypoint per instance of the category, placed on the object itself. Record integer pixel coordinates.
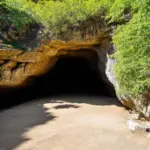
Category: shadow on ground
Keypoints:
(18, 120)
(65, 106)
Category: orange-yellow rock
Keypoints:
(18, 67)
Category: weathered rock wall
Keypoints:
(18, 68)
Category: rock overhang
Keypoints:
(18, 68)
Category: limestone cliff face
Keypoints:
(18, 68)
(126, 101)
(29, 36)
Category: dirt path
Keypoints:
(78, 123)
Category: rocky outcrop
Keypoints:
(19, 68)
(126, 101)
(29, 36)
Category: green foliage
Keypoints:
(133, 51)
(12, 12)
(54, 15)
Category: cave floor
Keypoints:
(69, 123)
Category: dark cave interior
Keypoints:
(69, 76)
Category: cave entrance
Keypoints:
(72, 76)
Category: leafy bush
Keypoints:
(53, 15)
(12, 13)
(133, 50)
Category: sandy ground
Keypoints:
(69, 123)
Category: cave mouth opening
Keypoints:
(70, 76)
